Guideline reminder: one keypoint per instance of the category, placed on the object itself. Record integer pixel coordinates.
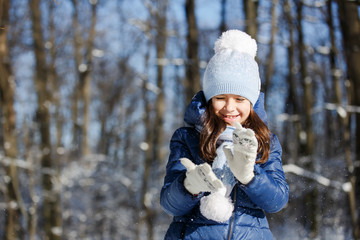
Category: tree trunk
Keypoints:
(85, 80)
(250, 10)
(311, 208)
(32, 220)
(7, 88)
(154, 134)
(223, 26)
(7, 85)
(76, 96)
(53, 77)
(52, 216)
(270, 59)
(148, 140)
(158, 128)
(343, 120)
(149, 136)
(192, 80)
(350, 26)
(292, 105)
(84, 68)
(335, 127)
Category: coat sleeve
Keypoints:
(174, 198)
(269, 189)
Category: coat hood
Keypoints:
(196, 109)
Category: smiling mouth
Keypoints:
(230, 117)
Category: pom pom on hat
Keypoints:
(236, 40)
(233, 69)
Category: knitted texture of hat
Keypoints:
(233, 69)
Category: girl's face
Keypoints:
(231, 108)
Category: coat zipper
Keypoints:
(232, 217)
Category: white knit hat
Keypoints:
(233, 69)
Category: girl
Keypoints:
(224, 169)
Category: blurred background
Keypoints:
(92, 91)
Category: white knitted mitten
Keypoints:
(200, 178)
(242, 160)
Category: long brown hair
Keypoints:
(214, 126)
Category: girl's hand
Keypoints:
(201, 178)
(242, 161)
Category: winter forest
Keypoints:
(92, 91)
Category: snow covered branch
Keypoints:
(6, 161)
(292, 168)
(342, 110)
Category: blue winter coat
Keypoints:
(268, 191)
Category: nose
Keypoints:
(230, 105)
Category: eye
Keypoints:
(240, 99)
(219, 97)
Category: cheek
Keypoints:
(247, 114)
(248, 110)
(217, 106)
(245, 109)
